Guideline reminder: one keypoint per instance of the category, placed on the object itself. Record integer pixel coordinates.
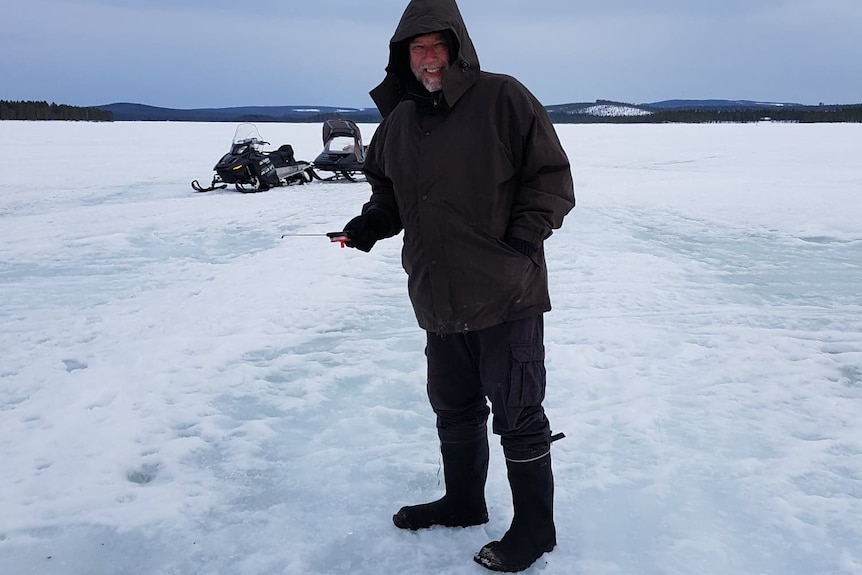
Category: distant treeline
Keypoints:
(799, 114)
(565, 114)
(28, 110)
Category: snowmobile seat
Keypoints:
(286, 152)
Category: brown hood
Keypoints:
(425, 17)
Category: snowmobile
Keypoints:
(251, 169)
(343, 153)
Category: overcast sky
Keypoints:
(220, 53)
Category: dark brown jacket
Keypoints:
(462, 172)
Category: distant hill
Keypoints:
(127, 112)
(716, 104)
(600, 111)
(699, 111)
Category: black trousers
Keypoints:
(505, 365)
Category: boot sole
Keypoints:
(402, 522)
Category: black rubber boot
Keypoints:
(465, 468)
(532, 532)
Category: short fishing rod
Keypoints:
(334, 237)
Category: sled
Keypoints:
(343, 153)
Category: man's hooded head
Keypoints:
(423, 17)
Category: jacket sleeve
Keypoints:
(546, 192)
(382, 192)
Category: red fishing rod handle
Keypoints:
(339, 237)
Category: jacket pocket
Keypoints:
(527, 375)
(521, 257)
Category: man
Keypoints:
(468, 164)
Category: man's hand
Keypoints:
(365, 230)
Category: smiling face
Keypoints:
(429, 60)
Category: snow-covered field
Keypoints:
(183, 391)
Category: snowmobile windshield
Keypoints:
(247, 135)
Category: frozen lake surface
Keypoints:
(183, 391)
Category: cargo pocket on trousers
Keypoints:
(527, 375)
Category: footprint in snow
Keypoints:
(74, 364)
(143, 475)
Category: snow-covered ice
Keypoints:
(184, 391)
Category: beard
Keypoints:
(431, 83)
